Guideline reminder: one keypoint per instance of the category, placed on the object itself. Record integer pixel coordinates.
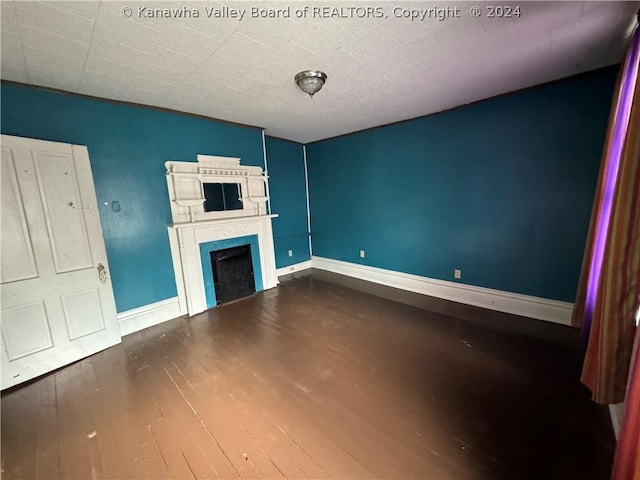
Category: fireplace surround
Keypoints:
(196, 232)
(231, 269)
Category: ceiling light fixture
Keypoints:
(311, 81)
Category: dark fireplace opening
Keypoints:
(232, 273)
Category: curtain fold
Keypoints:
(626, 464)
(579, 316)
(627, 459)
(609, 289)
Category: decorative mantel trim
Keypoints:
(186, 180)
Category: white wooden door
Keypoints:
(56, 296)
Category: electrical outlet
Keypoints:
(361, 253)
(291, 253)
(457, 273)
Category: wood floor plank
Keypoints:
(128, 439)
(183, 431)
(315, 379)
(46, 460)
(19, 432)
(206, 378)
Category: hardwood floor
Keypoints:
(313, 379)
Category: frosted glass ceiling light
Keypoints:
(311, 81)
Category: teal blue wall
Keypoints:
(287, 188)
(128, 146)
(501, 189)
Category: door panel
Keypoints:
(60, 197)
(56, 308)
(82, 313)
(25, 330)
(19, 264)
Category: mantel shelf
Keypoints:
(190, 202)
(223, 221)
(256, 199)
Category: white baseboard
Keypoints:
(524, 305)
(148, 315)
(293, 268)
(514, 303)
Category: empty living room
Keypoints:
(319, 239)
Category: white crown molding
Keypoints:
(517, 304)
(149, 315)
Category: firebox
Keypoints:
(232, 273)
(230, 269)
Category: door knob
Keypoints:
(102, 273)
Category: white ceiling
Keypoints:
(380, 70)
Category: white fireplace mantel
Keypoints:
(185, 240)
(192, 226)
